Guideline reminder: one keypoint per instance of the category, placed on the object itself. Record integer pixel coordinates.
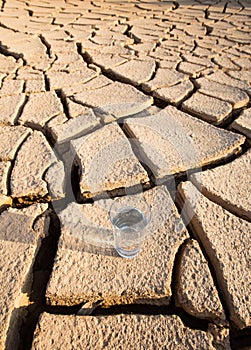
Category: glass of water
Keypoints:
(129, 216)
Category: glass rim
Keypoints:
(123, 199)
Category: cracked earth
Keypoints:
(107, 98)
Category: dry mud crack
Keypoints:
(100, 99)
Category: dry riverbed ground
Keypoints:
(107, 98)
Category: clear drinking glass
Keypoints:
(129, 216)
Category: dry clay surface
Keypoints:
(104, 98)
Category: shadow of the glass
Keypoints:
(88, 244)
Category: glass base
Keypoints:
(128, 254)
